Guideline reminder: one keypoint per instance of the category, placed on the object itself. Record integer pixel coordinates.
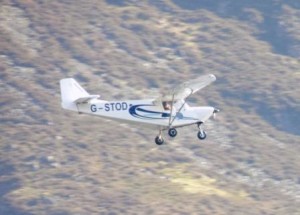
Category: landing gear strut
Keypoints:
(201, 134)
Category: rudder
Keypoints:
(71, 91)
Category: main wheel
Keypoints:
(172, 132)
(159, 140)
(201, 135)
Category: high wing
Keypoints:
(182, 92)
(186, 89)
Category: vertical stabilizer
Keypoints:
(70, 92)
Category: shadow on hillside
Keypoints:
(6, 186)
(116, 2)
(285, 119)
(270, 29)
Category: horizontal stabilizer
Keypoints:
(86, 98)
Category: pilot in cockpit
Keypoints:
(166, 105)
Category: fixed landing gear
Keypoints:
(172, 132)
(159, 140)
(201, 134)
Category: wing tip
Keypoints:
(212, 77)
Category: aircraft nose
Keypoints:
(205, 113)
(215, 112)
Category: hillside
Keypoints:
(57, 162)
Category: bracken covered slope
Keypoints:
(56, 162)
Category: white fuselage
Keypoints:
(144, 111)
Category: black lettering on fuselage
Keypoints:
(118, 106)
(93, 108)
(124, 106)
(112, 106)
(106, 107)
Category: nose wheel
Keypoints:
(201, 133)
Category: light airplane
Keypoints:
(168, 112)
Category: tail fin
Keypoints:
(72, 94)
(71, 90)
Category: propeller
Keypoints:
(215, 113)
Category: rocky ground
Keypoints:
(57, 162)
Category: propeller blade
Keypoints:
(215, 113)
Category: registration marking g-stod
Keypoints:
(113, 106)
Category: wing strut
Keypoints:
(171, 120)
